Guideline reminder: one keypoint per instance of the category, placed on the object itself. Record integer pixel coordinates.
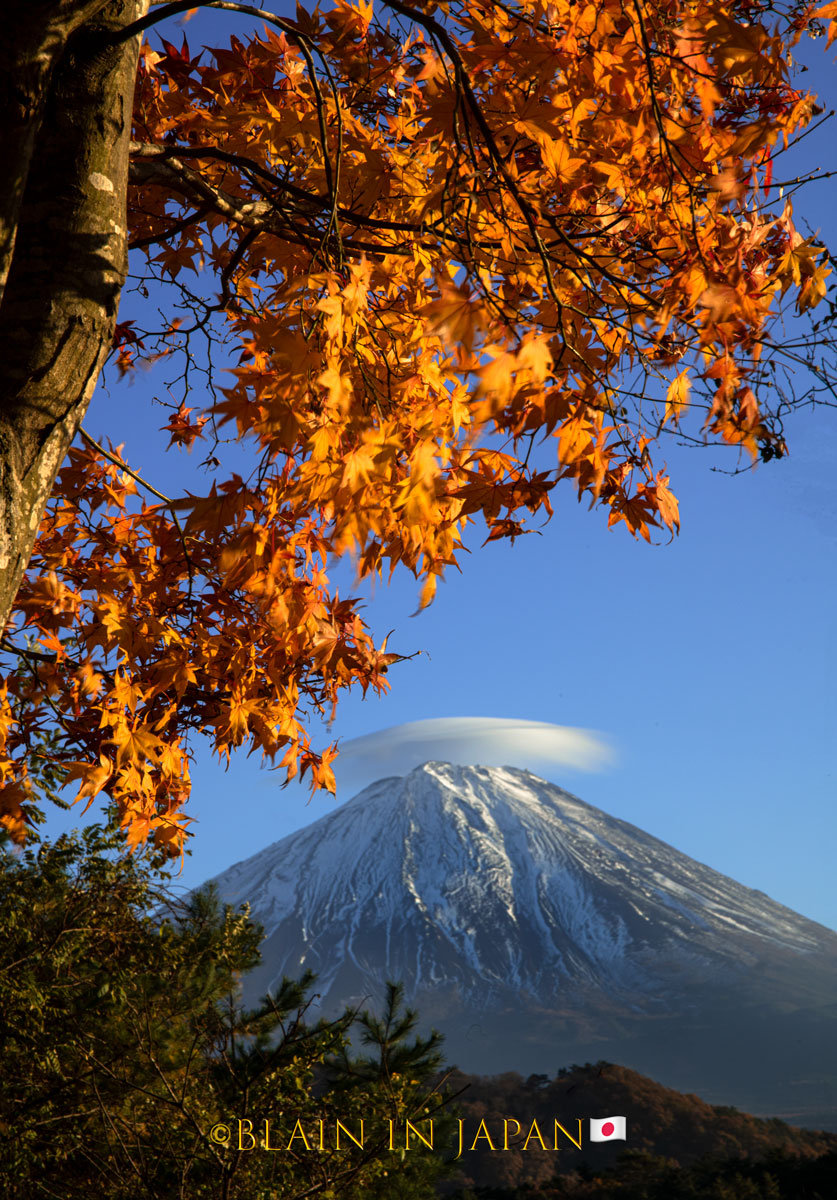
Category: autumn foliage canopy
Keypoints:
(423, 239)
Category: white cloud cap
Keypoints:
(470, 741)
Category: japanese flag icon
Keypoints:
(608, 1129)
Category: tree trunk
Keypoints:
(63, 241)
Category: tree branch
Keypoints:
(155, 165)
(163, 12)
(123, 466)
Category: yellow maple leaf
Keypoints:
(677, 396)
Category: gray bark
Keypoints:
(63, 240)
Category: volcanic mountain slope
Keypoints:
(535, 930)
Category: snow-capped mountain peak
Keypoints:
(490, 880)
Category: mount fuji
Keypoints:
(534, 930)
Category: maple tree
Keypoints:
(426, 237)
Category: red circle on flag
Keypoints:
(608, 1128)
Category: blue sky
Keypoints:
(706, 665)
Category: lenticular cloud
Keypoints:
(470, 741)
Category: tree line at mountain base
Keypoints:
(638, 1176)
(131, 1072)
(662, 1124)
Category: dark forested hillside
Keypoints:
(670, 1135)
(647, 1177)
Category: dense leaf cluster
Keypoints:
(428, 239)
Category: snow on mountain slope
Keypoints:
(535, 931)
(497, 884)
